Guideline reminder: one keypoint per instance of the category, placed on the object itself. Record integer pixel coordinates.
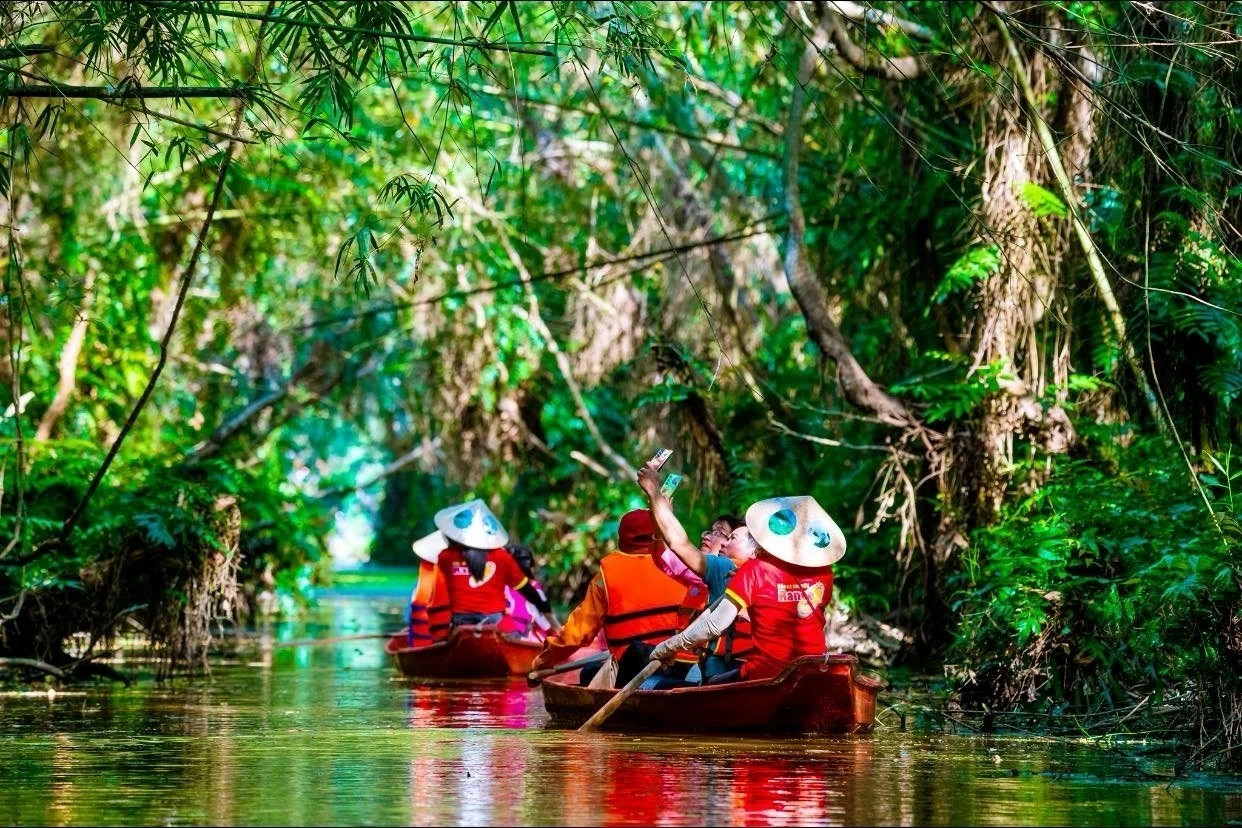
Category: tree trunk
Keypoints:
(68, 365)
(1012, 325)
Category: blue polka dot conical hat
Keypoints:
(430, 546)
(472, 524)
(797, 530)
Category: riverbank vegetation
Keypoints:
(968, 272)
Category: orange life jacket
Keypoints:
(429, 607)
(644, 604)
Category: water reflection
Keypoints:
(330, 735)
(474, 704)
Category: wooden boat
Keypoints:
(469, 653)
(814, 694)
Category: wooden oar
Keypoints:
(592, 724)
(536, 676)
(316, 642)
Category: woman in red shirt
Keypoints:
(786, 589)
(477, 568)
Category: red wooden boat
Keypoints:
(470, 653)
(814, 694)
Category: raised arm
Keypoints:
(670, 527)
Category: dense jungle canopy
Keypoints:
(967, 272)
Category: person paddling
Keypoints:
(635, 604)
(429, 602)
(787, 589)
(477, 568)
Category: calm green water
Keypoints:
(329, 735)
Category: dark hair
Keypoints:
(476, 561)
(524, 557)
(733, 520)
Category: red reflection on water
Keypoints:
(508, 704)
(472, 772)
(713, 783)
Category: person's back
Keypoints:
(429, 614)
(786, 604)
(477, 579)
(476, 567)
(643, 603)
(630, 599)
(429, 607)
(521, 616)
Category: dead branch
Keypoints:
(388, 470)
(34, 664)
(892, 68)
(230, 427)
(68, 364)
(869, 14)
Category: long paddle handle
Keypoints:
(536, 676)
(592, 724)
(314, 642)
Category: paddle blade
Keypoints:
(592, 724)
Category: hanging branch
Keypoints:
(187, 278)
(267, 17)
(858, 387)
(857, 11)
(1094, 263)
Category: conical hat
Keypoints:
(472, 524)
(797, 530)
(430, 546)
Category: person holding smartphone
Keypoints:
(786, 588)
(724, 547)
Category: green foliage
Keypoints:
(952, 393)
(1104, 578)
(1041, 201)
(974, 266)
(495, 184)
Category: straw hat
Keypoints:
(430, 546)
(797, 530)
(472, 524)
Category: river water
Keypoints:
(329, 735)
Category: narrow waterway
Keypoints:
(329, 735)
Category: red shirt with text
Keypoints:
(786, 604)
(486, 595)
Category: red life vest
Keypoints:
(429, 607)
(644, 604)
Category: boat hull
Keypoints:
(469, 653)
(812, 695)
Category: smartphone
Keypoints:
(670, 485)
(661, 457)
